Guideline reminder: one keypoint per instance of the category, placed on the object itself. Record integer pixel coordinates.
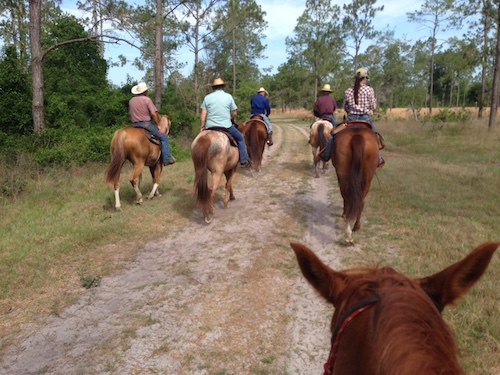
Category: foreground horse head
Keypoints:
(318, 137)
(133, 144)
(355, 157)
(255, 132)
(386, 323)
(212, 152)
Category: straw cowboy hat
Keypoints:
(262, 89)
(326, 88)
(362, 73)
(140, 88)
(218, 82)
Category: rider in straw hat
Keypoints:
(141, 110)
(260, 106)
(217, 110)
(325, 105)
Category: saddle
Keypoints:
(359, 124)
(221, 129)
(150, 136)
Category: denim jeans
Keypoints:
(242, 148)
(334, 122)
(165, 145)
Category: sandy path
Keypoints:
(224, 298)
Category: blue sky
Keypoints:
(281, 16)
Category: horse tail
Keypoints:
(118, 157)
(254, 143)
(199, 154)
(321, 136)
(356, 181)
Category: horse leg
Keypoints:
(155, 175)
(315, 160)
(118, 205)
(135, 181)
(228, 194)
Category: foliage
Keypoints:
(447, 115)
(15, 94)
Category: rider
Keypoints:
(325, 105)
(141, 110)
(260, 106)
(218, 110)
(359, 102)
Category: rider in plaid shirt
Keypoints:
(359, 101)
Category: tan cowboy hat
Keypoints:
(326, 88)
(140, 88)
(362, 73)
(262, 89)
(218, 82)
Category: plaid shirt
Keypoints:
(366, 101)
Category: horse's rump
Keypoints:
(255, 133)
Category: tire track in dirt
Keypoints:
(224, 298)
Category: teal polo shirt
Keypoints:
(219, 105)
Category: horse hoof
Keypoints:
(349, 242)
(118, 209)
(208, 220)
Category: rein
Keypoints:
(343, 321)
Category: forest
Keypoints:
(56, 99)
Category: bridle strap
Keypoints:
(343, 321)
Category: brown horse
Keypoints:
(212, 151)
(355, 157)
(132, 143)
(318, 136)
(386, 323)
(255, 132)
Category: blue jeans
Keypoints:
(330, 117)
(165, 145)
(266, 120)
(242, 148)
(362, 118)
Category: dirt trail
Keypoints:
(224, 298)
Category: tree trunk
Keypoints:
(234, 61)
(159, 66)
(36, 65)
(496, 80)
(484, 58)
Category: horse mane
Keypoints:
(410, 335)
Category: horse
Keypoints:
(387, 323)
(255, 132)
(133, 144)
(355, 158)
(212, 151)
(318, 137)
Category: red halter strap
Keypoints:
(344, 320)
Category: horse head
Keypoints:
(388, 323)
(164, 123)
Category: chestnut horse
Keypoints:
(133, 144)
(255, 132)
(387, 323)
(318, 136)
(355, 157)
(212, 151)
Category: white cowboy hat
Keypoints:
(326, 88)
(140, 88)
(262, 89)
(362, 73)
(218, 82)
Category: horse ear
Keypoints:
(453, 282)
(326, 281)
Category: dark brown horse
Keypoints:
(212, 152)
(388, 324)
(355, 157)
(318, 136)
(255, 132)
(132, 143)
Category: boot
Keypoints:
(270, 139)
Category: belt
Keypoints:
(138, 122)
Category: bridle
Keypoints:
(342, 323)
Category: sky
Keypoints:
(281, 16)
